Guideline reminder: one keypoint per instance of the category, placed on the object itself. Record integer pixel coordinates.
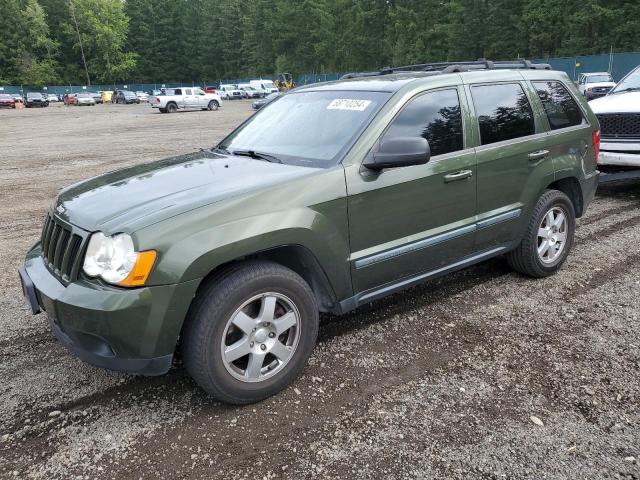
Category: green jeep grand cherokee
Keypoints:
(332, 196)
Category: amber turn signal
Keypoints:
(141, 270)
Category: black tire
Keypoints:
(172, 108)
(163, 110)
(213, 105)
(207, 322)
(525, 259)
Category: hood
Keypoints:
(599, 84)
(628, 102)
(133, 198)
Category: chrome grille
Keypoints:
(62, 249)
(619, 125)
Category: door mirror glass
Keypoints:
(399, 152)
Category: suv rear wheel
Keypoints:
(250, 332)
(548, 238)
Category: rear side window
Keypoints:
(560, 107)
(435, 116)
(503, 112)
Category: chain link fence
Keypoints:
(618, 64)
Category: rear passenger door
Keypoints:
(190, 100)
(512, 160)
(569, 137)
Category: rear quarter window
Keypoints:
(503, 111)
(560, 107)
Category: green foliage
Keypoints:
(99, 28)
(207, 40)
(27, 52)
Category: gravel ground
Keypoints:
(482, 374)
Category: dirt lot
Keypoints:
(439, 382)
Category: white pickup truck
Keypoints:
(185, 98)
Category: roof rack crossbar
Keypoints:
(455, 67)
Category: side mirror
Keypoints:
(399, 152)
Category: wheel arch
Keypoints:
(570, 186)
(297, 258)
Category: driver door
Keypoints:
(201, 100)
(407, 221)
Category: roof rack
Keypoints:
(454, 67)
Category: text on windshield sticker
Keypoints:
(348, 104)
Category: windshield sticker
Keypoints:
(348, 104)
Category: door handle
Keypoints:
(461, 175)
(539, 155)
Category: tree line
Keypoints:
(101, 41)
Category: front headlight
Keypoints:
(115, 261)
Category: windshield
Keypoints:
(631, 81)
(268, 85)
(85, 95)
(34, 95)
(599, 78)
(5, 96)
(307, 128)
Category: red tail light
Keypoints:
(157, 100)
(596, 145)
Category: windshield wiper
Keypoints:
(257, 155)
(218, 148)
(629, 89)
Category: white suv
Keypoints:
(230, 92)
(619, 117)
(595, 84)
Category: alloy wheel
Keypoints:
(260, 337)
(552, 235)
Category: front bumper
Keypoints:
(131, 330)
(594, 95)
(619, 159)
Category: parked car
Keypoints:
(126, 97)
(210, 89)
(142, 96)
(258, 104)
(594, 85)
(191, 98)
(7, 101)
(230, 92)
(264, 87)
(53, 98)
(36, 99)
(335, 195)
(88, 99)
(619, 116)
(97, 97)
(250, 92)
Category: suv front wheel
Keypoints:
(548, 238)
(250, 332)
